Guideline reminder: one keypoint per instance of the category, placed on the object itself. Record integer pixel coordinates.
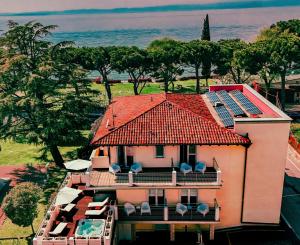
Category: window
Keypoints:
(189, 196)
(156, 197)
(159, 151)
(192, 155)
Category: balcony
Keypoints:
(168, 214)
(157, 176)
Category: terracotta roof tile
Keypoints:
(171, 119)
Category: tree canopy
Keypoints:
(166, 60)
(44, 100)
(21, 203)
(134, 61)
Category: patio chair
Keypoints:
(98, 204)
(181, 209)
(136, 168)
(145, 208)
(185, 168)
(58, 229)
(95, 212)
(200, 167)
(129, 208)
(114, 168)
(203, 208)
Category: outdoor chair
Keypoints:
(114, 168)
(136, 168)
(129, 208)
(203, 209)
(98, 204)
(185, 168)
(181, 209)
(145, 208)
(200, 167)
(58, 229)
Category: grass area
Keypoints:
(121, 89)
(13, 153)
(295, 128)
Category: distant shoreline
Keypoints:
(167, 8)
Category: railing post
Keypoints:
(166, 213)
(116, 212)
(130, 178)
(218, 177)
(217, 211)
(174, 177)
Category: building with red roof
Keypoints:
(191, 162)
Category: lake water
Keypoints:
(141, 28)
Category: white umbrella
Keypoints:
(66, 195)
(78, 164)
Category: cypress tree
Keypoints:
(206, 30)
(206, 66)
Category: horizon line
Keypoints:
(164, 8)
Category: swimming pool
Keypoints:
(90, 228)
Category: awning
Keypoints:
(66, 195)
(78, 164)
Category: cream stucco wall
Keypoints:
(136, 196)
(231, 162)
(265, 170)
(146, 156)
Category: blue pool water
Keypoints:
(90, 228)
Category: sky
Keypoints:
(16, 6)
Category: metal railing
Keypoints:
(166, 212)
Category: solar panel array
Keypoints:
(245, 102)
(231, 104)
(225, 116)
(221, 110)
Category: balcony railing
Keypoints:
(212, 176)
(168, 213)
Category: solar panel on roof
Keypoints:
(225, 116)
(213, 98)
(231, 104)
(245, 102)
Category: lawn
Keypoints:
(121, 89)
(13, 153)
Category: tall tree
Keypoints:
(96, 59)
(44, 100)
(206, 64)
(206, 29)
(195, 54)
(21, 203)
(285, 54)
(226, 62)
(166, 60)
(256, 60)
(135, 62)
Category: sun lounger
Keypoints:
(95, 212)
(58, 229)
(68, 208)
(181, 209)
(203, 209)
(145, 208)
(200, 167)
(129, 208)
(98, 204)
